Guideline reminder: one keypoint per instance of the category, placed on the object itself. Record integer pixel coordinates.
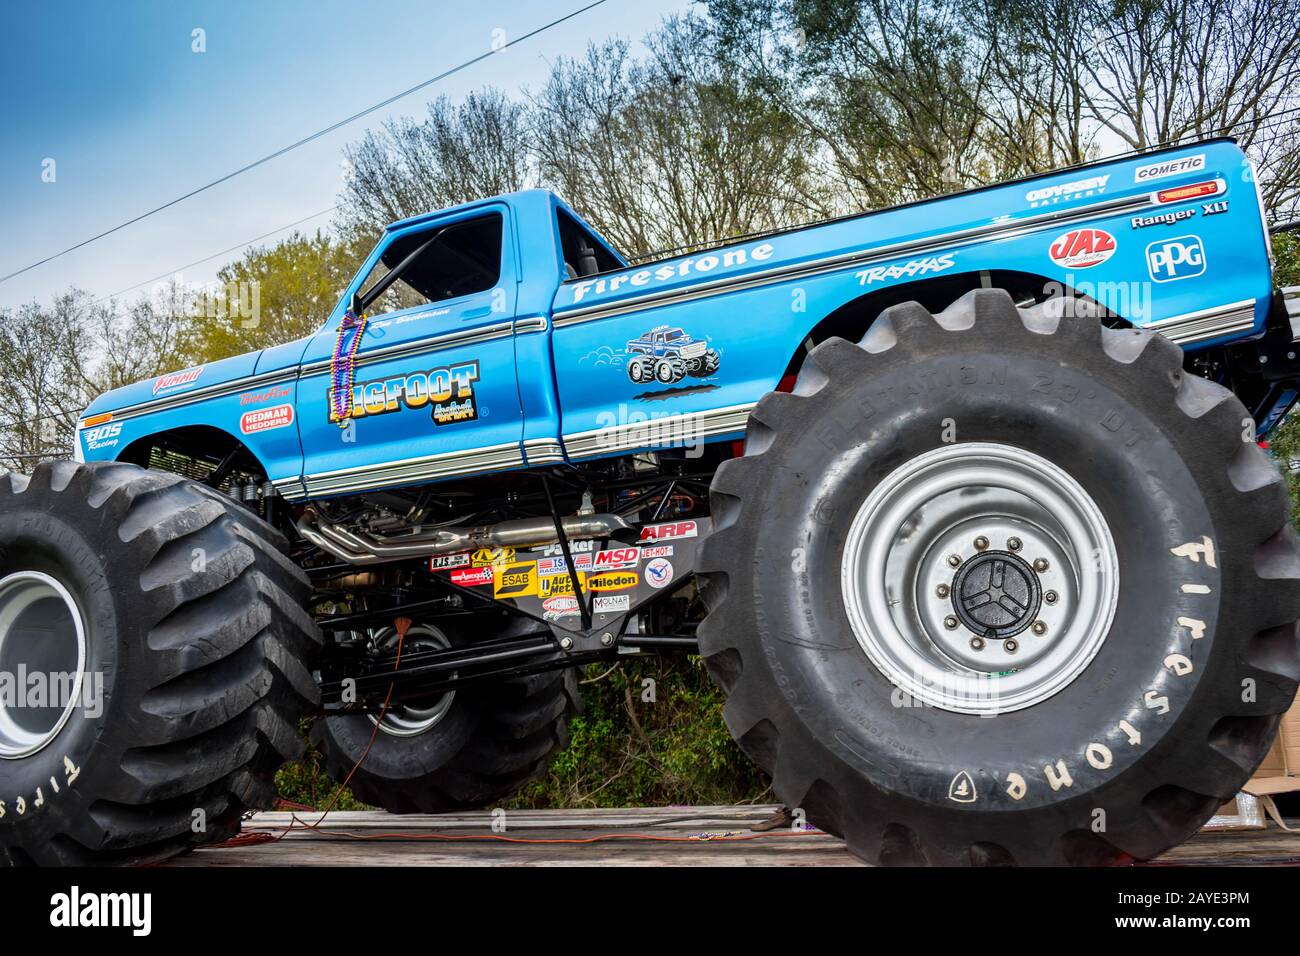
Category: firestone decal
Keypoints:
(690, 265)
(448, 390)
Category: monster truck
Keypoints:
(980, 540)
(668, 355)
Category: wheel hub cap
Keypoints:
(980, 578)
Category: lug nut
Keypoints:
(1013, 544)
(941, 591)
(1010, 646)
(1051, 597)
(566, 643)
(1039, 628)
(977, 643)
(607, 638)
(954, 560)
(981, 543)
(1041, 565)
(950, 622)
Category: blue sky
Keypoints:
(132, 117)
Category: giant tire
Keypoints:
(493, 740)
(1167, 457)
(193, 616)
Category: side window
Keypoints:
(584, 255)
(465, 259)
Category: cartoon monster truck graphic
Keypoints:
(667, 355)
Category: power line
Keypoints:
(307, 139)
(199, 262)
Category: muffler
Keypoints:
(358, 547)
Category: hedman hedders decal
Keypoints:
(448, 391)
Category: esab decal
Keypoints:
(613, 581)
(515, 580)
(449, 391)
(1082, 248)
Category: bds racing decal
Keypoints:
(448, 392)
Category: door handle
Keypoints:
(476, 313)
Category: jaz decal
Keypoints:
(1082, 248)
(667, 355)
(266, 419)
(172, 380)
(914, 267)
(448, 392)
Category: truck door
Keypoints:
(433, 392)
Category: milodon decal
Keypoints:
(265, 419)
(667, 354)
(1082, 248)
(613, 581)
(448, 391)
(172, 380)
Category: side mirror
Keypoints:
(354, 304)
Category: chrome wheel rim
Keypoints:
(406, 720)
(42, 639)
(980, 578)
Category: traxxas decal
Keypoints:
(448, 390)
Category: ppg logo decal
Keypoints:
(1179, 258)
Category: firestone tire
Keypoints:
(1180, 702)
(192, 617)
(491, 743)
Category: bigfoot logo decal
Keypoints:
(667, 355)
(447, 391)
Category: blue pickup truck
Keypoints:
(962, 502)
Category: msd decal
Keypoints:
(265, 419)
(1082, 248)
(615, 559)
(174, 379)
(666, 532)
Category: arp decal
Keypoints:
(1182, 257)
(666, 532)
(1082, 248)
(175, 379)
(471, 577)
(448, 391)
(659, 573)
(266, 419)
(666, 355)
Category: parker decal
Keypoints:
(448, 391)
(1082, 248)
(265, 419)
(175, 379)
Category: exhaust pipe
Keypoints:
(357, 547)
